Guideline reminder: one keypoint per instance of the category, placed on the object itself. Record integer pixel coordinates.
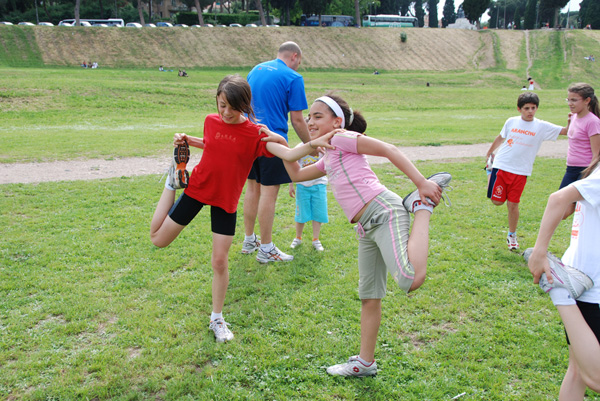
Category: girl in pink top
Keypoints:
(382, 217)
(584, 131)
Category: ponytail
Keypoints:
(355, 121)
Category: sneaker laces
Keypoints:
(445, 197)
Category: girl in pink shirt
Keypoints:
(584, 130)
(382, 217)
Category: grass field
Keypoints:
(90, 309)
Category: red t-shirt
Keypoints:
(229, 151)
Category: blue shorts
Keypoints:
(572, 174)
(311, 204)
(269, 171)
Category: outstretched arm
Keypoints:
(291, 155)
(497, 142)
(558, 202)
(427, 189)
(179, 139)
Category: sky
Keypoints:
(573, 5)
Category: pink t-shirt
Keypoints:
(580, 131)
(352, 181)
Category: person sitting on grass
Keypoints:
(516, 146)
(231, 142)
(386, 243)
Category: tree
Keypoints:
(474, 9)
(357, 13)
(419, 13)
(261, 12)
(433, 14)
(77, 4)
(517, 20)
(551, 9)
(529, 17)
(141, 12)
(449, 13)
(590, 13)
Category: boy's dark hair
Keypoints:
(238, 94)
(528, 97)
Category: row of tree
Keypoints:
(520, 14)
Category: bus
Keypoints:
(99, 22)
(391, 20)
(327, 20)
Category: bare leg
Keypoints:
(266, 212)
(584, 345)
(418, 247)
(573, 386)
(513, 216)
(316, 226)
(251, 199)
(370, 319)
(220, 265)
(299, 229)
(163, 230)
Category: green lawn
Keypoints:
(90, 309)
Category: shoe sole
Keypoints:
(181, 155)
(245, 252)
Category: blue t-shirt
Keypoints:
(276, 90)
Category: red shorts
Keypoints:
(506, 186)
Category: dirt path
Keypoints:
(27, 173)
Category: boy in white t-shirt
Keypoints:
(517, 145)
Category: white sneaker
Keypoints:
(511, 240)
(250, 246)
(295, 243)
(575, 281)
(318, 246)
(353, 367)
(222, 332)
(414, 199)
(274, 255)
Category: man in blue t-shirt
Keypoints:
(277, 89)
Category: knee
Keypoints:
(417, 282)
(497, 203)
(220, 264)
(592, 381)
(159, 242)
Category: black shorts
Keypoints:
(269, 171)
(186, 208)
(591, 314)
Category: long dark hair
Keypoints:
(238, 94)
(354, 118)
(585, 90)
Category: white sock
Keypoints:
(364, 362)
(250, 237)
(214, 316)
(561, 296)
(266, 247)
(422, 206)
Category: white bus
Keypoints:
(98, 22)
(390, 20)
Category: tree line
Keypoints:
(516, 14)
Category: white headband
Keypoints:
(333, 106)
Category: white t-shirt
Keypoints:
(307, 161)
(522, 142)
(584, 252)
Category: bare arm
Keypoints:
(371, 146)
(298, 174)
(558, 202)
(299, 125)
(497, 142)
(595, 143)
(291, 155)
(565, 130)
(178, 139)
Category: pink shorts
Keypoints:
(506, 186)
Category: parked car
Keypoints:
(164, 24)
(133, 25)
(272, 26)
(182, 25)
(209, 25)
(221, 26)
(62, 23)
(26, 23)
(84, 23)
(251, 26)
(150, 26)
(195, 26)
(46, 24)
(235, 25)
(6, 23)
